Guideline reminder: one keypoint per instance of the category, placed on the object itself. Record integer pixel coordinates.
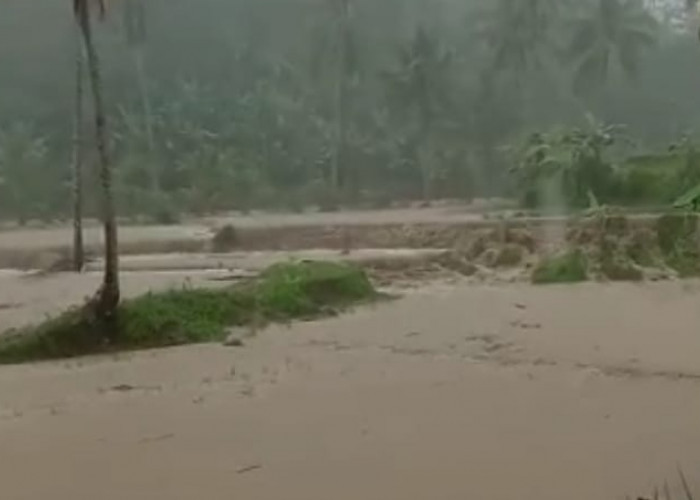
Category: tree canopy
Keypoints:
(237, 103)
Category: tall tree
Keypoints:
(341, 92)
(518, 33)
(107, 298)
(419, 88)
(135, 33)
(613, 31)
(692, 8)
(78, 157)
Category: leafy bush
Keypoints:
(571, 163)
(648, 179)
(678, 240)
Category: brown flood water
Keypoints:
(453, 392)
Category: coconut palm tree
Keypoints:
(518, 33)
(135, 34)
(78, 156)
(343, 46)
(692, 8)
(419, 91)
(333, 61)
(613, 31)
(107, 298)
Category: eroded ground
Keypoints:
(456, 391)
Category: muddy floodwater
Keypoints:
(452, 392)
(456, 390)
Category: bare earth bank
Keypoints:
(584, 392)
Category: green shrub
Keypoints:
(284, 292)
(569, 267)
(295, 290)
(678, 240)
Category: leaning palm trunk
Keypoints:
(78, 157)
(107, 298)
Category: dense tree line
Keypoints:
(238, 104)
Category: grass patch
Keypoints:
(569, 267)
(301, 290)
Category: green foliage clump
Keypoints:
(568, 267)
(678, 240)
(283, 292)
(650, 179)
(568, 165)
(290, 291)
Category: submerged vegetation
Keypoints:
(568, 267)
(282, 293)
(679, 242)
(615, 248)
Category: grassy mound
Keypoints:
(283, 292)
(568, 267)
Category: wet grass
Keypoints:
(284, 292)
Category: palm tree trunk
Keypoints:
(78, 157)
(426, 165)
(425, 150)
(340, 99)
(107, 298)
